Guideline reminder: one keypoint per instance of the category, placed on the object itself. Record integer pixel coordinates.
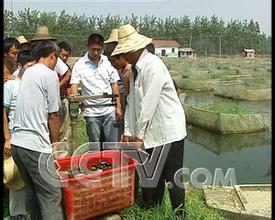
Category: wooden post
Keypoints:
(220, 54)
(190, 42)
(73, 111)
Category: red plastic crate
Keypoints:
(96, 194)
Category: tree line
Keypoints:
(205, 35)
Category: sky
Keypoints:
(258, 10)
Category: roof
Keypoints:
(249, 50)
(166, 43)
(186, 49)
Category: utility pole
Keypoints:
(220, 54)
(190, 42)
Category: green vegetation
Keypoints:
(195, 209)
(218, 74)
(82, 137)
(229, 108)
(6, 202)
(205, 32)
(256, 72)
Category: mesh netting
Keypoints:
(225, 123)
(242, 91)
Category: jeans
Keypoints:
(105, 123)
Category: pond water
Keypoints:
(248, 154)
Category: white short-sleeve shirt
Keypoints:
(61, 68)
(95, 80)
(38, 96)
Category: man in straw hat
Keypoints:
(154, 114)
(24, 43)
(124, 71)
(61, 68)
(36, 127)
(95, 75)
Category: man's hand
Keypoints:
(74, 90)
(7, 148)
(138, 143)
(126, 138)
(74, 94)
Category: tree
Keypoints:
(204, 32)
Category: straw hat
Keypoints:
(113, 36)
(12, 178)
(22, 39)
(129, 40)
(42, 33)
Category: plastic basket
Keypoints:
(92, 195)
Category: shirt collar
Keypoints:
(87, 60)
(141, 59)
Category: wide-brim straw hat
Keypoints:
(12, 178)
(129, 40)
(22, 39)
(42, 33)
(113, 37)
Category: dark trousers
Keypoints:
(174, 161)
(121, 122)
(43, 196)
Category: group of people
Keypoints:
(147, 108)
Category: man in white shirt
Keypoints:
(95, 75)
(154, 114)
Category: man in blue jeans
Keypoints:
(95, 75)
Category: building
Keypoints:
(166, 48)
(249, 53)
(187, 53)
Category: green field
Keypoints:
(256, 70)
(228, 108)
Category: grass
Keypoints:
(220, 67)
(6, 202)
(195, 205)
(229, 108)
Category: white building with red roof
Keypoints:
(166, 48)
